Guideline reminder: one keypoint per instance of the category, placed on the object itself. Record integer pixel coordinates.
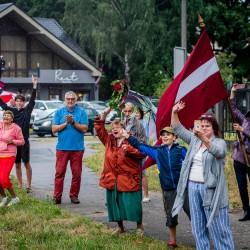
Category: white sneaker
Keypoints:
(13, 201)
(145, 200)
(4, 202)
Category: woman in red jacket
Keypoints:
(121, 175)
(10, 137)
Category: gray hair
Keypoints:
(70, 93)
(130, 104)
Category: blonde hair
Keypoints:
(117, 123)
(9, 113)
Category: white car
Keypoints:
(1, 113)
(43, 108)
(99, 106)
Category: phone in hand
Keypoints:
(197, 123)
(240, 86)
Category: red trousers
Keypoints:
(6, 164)
(75, 159)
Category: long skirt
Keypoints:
(124, 205)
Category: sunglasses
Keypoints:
(207, 116)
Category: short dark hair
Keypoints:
(215, 125)
(20, 97)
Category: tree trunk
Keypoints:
(97, 85)
(127, 71)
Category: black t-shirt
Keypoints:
(22, 116)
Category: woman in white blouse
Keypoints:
(203, 174)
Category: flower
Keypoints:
(119, 94)
(117, 87)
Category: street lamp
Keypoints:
(2, 64)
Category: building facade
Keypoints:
(40, 47)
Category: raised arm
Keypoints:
(175, 118)
(100, 126)
(142, 147)
(31, 103)
(233, 89)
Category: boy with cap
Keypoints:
(169, 157)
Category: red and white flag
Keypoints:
(199, 85)
(6, 96)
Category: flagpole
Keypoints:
(238, 134)
(201, 21)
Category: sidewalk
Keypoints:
(92, 198)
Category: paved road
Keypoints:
(92, 198)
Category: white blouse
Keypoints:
(196, 171)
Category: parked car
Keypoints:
(43, 108)
(99, 106)
(43, 126)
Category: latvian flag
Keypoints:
(6, 96)
(199, 85)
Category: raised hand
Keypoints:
(34, 80)
(178, 107)
(124, 133)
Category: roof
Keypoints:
(48, 32)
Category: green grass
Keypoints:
(34, 224)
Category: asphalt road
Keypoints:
(92, 198)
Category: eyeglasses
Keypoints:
(70, 99)
(127, 111)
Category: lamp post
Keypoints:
(2, 64)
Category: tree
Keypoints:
(38, 8)
(231, 31)
(124, 29)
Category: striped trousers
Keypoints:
(219, 229)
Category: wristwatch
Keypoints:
(73, 123)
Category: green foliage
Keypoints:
(135, 39)
(162, 86)
(41, 8)
(231, 31)
(225, 62)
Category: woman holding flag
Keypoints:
(242, 125)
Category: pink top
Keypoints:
(13, 133)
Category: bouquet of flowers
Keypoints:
(119, 94)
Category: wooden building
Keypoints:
(40, 46)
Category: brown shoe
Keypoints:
(75, 200)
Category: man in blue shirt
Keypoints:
(71, 122)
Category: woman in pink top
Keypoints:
(10, 137)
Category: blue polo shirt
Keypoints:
(70, 138)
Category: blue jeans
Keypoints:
(241, 172)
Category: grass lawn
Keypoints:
(34, 224)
